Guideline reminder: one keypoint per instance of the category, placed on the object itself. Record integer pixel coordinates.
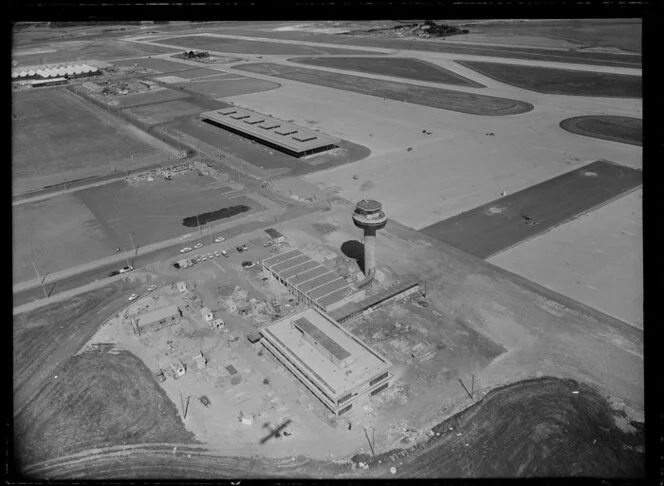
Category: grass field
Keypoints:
(392, 66)
(223, 88)
(458, 101)
(161, 65)
(56, 133)
(503, 223)
(100, 398)
(44, 339)
(622, 34)
(593, 58)
(560, 81)
(89, 224)
(82, 50)
(242, 46)
(149, 98)
(614, 128)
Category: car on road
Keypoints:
(151, 288)
(185, 249)
(248, 264)
(133, 297)
(219, 239)
(198, 245)
(225, 253)
(114, 273)
(126, 269)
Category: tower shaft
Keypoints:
(369, 251)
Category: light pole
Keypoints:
(133, 248)
(41, 281)
(200, 232)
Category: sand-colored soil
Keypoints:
(596, 259)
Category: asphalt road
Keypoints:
(593, 58)
(502, 223)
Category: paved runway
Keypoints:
(501, 224)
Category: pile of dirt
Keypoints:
(100, 398)
(544, 427)
(424, 30)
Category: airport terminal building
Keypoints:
(332, 363)
(277, 134)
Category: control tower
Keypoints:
(370, 217)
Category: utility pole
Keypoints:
(41, 281)
(199, 225)
(370, 445)
(133, 248)
(464, 387)
(472, 386)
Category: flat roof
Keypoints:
(337, 284)
(306, 276)
(288, 135)
(336, 381)
(321, 338)
(299, 269)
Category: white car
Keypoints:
(185, 249)
(203, 258)
(216, 253)
(133, 297)
(198, 245)
(151, 288)
(210, 256)
(126, 269)
(219, 239)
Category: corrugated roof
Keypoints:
(281, 257)
(303, 277)
(321, 338)
(299, 269)
(328, 288)
(317, 282)
(293, 262)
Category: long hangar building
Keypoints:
(277, 134)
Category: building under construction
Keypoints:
(334, 365)
(311, 282)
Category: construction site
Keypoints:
(241, 267)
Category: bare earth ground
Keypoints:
(57, 135)
(596, 259)
(99, 398)
(44, 339)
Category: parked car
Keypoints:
(196, 259)
(239, 249)
(210, 256)
(248, 264)
(216, 253)
(203, 258)
(185, 249)
(151, 288)
(219, 239)
(133, 297)
(244, 246)
(176, 265)
(114, 273)
(268, 243)
(198, 245)
(225, 253)
(160, 376)
(126, 269)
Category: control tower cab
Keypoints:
(370, 217)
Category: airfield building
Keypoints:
(311, 282)
(334, 365)
(277, 134)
